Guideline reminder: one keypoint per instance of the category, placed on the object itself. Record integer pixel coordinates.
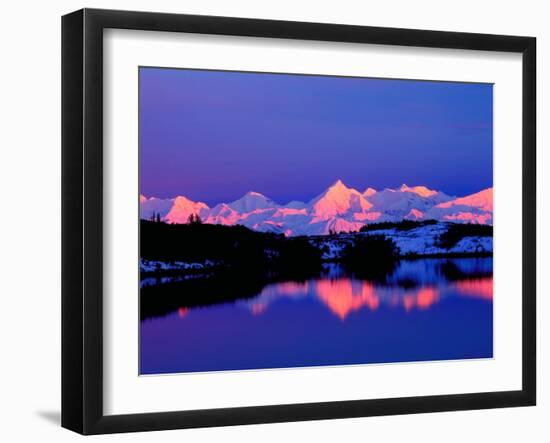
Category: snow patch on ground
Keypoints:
(158, 266)
(418, 241)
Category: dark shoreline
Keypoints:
(216, 269)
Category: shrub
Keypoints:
(371, 257)
(457, 232)
(403, 225)
(370, 247)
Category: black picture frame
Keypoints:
(82, 219)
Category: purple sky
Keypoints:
(214, 135)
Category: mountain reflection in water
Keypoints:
(426, 309)
(345, 295)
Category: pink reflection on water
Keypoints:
(479, 287)
(293, 288)
(258, 308)
(276, 291)
(343, 296)
(421, 299)
(182, 312)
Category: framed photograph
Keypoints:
(268, 221)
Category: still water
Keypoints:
(428, 309)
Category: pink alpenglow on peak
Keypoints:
(414, 214)
(142, 198)
(183, 208)
(338, 200)
(482, 200)
(222, 214)
(423, 191)
(369, 192)
(338, 209)
(474, 208)
(397, 204)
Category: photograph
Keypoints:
(291, 220)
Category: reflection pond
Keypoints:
(424, 309)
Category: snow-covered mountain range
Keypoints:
(338, 209)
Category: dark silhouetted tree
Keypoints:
(194, 219)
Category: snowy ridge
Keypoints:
(475, 208)
(338, 209)
(421, 241)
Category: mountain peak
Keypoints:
(183, 207)
(338, 184)
(254, 194)
(338, 190)
(252, 201)
(369, 191)
(423, 191)
(180, 200)
(184, 202)
(336, 200)
(482, 200)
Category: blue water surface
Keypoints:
(427, 309)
